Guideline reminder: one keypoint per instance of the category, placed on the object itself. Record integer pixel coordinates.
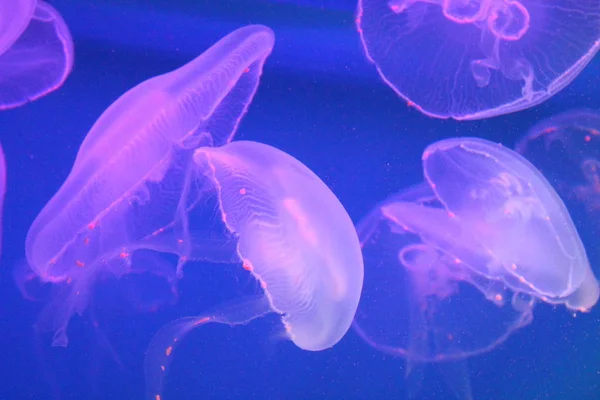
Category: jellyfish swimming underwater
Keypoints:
(494, 195)
(473, 59)
(293, 235)
(36, 51)
(420, 305)
(130, 174)
(485, 235)
(566, 149)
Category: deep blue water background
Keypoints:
(320, 101)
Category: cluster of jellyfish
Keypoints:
(140, 183)
(402, 276)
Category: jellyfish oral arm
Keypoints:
(160, 352)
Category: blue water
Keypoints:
(320, 101)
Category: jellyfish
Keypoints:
(132, 172)
(473, 59)
(503, 218)
(422, 304)
(292, 234)
(36, 51)
(566, 148)
(487, 236)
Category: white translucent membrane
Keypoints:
(473, 59)
(131, 172)
(14, 18)
(293, 235)
(503, 219)
(36, 51)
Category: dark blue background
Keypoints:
(318, 100)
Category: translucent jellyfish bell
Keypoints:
(132, 169)
(36, 51)
(422, 304)
(472, 59)
(293, 235)
(503, 219)
(11, 28)
(566, 149)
